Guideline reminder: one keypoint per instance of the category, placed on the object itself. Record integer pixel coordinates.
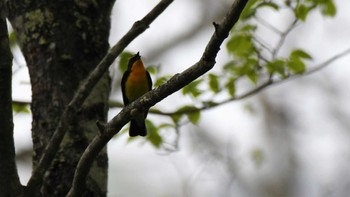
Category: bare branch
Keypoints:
(151, 98)
(268, 25)
(84, 90)
(328, 62)
(283, 37)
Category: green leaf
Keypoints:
(240, 45)
(194, 117)
(176, 118)
(301, 12)
(152, 69)
(300, 54)
(20, 108)
(249, 10)
(124, 59)
(246, 68)
(187, 109)
(165, 125)
(251, 62)
(230, 66)
(210, 103)
(296, 65)
(153, 135)
(269, 4)
(192, 112)
(231, 87)
(248, 28)
(253, 76)
(12, 38)
(192, 88)
(214, 83)
(277, 66)
(288, 2)
(249, 69)
(329, 9)
(161, 80)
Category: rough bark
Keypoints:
(62, 41)
(9, 181)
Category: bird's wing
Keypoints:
(149, 79)
(123, 84)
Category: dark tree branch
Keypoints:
(174, 84)
(9, 181)
(69, 113)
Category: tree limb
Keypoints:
(251, 92)
(69, 113)
(9, 181)
(174, 84)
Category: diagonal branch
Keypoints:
(84, 90)
(251, 92)
(174, 84)
(283, 38)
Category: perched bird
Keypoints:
(136, 81)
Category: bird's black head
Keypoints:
(133, 59)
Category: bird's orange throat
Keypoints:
(137, 83)
(138, 73)
(138, 66)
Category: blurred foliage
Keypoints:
(153, 136)
(12, 38)
(124, 59)
(193, 89)
(20, 108)
(252, 59)
(257, 156)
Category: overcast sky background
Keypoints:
(291, 138)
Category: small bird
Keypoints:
(136, 81)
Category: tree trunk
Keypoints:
(62, 41)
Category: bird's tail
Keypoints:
(137, 127)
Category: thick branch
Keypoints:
(83, 92)
(9, 181)
(151, 98)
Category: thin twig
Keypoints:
(268, 25)
(174, 84)
(83, 92)
(262, 43)
(328, 62)
(283, 37)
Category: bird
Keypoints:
(136, 81)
